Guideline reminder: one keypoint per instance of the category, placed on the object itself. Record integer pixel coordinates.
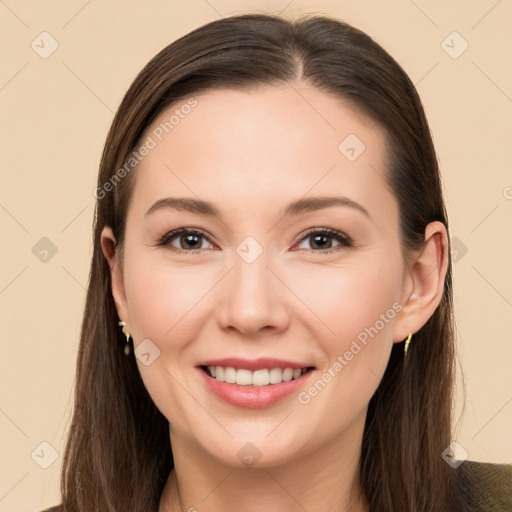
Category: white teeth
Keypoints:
(275, 375)
(230, 375)
(262, 377)
(243, 377)
(288, 374)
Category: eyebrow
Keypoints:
(304, 205)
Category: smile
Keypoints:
(257, 378)
(255, 389)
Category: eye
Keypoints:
(191, 240)
(323, 239)
(188, 240)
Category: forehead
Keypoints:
(264, 147)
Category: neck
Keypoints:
(325, 479)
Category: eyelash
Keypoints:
(344, 240)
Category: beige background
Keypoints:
(56, 113)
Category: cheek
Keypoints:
(371, 311)
(348, 300)
(357, 307)
(164, 302)
(356, 303)
(162, 299)
(150, 301)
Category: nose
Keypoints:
(253, 299)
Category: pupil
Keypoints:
(190, 239)
(320, 238)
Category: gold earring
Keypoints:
(127, 348)
(406, 346)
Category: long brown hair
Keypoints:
(118, 454)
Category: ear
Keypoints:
(424, 282)
(108, 246)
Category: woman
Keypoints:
(269, 318)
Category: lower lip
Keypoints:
(254, 397)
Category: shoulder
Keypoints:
(56, 508)
(484, 486)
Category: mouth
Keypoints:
(254, 388)
(259, 378)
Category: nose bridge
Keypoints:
(253, 298)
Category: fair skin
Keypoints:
(251, 154)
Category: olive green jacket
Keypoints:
(485, 487)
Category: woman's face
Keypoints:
(256, 283)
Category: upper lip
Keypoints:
(254, 364)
